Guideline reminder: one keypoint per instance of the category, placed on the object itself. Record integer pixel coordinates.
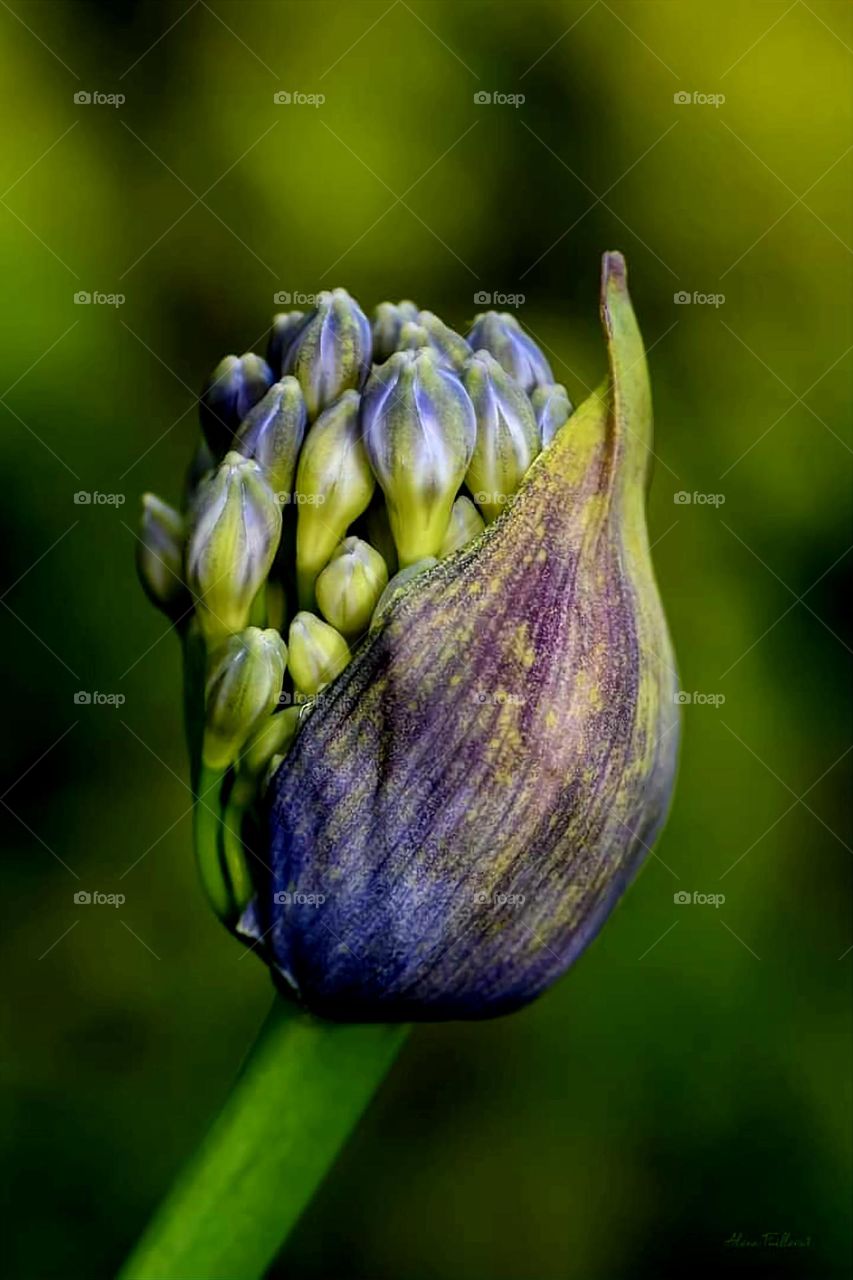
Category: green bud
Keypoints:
(243, 685)
(553, 408)
(160, 556)
(349, 587)
(332, 352)
(419, 432)
(507, 435)
(236, 530)
(334, 484)
(398, 582)
(388, 321)
(449, 345)
(272, 434)
(285, 330)
(316, 653)
(465, 525)
(272, 739)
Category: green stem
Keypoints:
(300, 1093)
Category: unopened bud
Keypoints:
(286, 327)
(270, 740)
(236, 530)
(235, 386)
(349, 587)
(272, 433)
(553, 408)
(334, 484)
(160, 556)
(502, 336)
(449, 345)
(388, 321)
(466, 523)
(243, 685)
(507, 435)
(419, 432)
(316, 653)
(332, 351)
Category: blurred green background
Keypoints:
(682, 1098)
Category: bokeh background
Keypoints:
(682, 1099)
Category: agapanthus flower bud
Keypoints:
(388, 321)
(349, 587)
(317, 653)
(553, 409)
(235, 386)
(449, 345)
(332, 351)
(413, 337)
(507, 435)
(160, 556)
(478, 787)
(419, 432)
(243, 685)
(465, 525)
(502, 336)
(334, 484)
(235, 533)
(272, 434)
(286, 326)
